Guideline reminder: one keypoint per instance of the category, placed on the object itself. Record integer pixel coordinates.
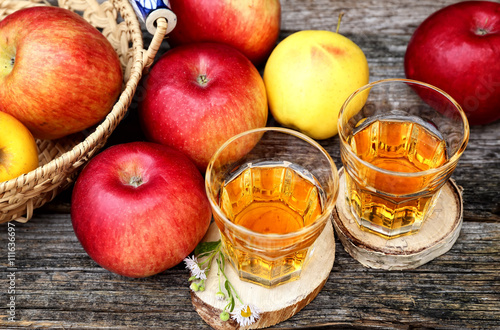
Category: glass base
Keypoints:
(270, 273)
(387, 232)
(383, 231)
(248, 277)
(379, 230)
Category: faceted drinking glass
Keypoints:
(272, 191)
(400, 141)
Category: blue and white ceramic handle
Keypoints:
(149, 11)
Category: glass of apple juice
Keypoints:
(272, 191)
(400, 141)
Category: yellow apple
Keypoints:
(18, 150)
(309, 75)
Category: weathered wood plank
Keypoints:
(59, 286)
(57, 281)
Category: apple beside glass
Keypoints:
(308, 77)
(457, 49)
(139, 208)
(199, 95)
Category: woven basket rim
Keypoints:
(119, 108)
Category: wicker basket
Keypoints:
(61, 160)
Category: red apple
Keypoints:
(58, 74)
(458, 50)
(199, 95)
(251, 27)
(139, 208)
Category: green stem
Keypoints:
(229, 282)
(210, 258)
(218, 276)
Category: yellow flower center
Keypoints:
(247, 312)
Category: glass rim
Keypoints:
(449, 163)
(322, 219)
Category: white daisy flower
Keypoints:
(246, 315)
(199, 273)
(194, 268)
(190, 262)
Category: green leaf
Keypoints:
(206, 247)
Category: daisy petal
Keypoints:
(246, 315)
(194, 268)
(191, 262)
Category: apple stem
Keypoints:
(338, 22)
(202, 79)
(135, 181)
(481, 32)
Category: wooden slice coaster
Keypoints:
(436, 236)
(276, 304)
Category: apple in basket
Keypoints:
(252, 27)
(18, 150)
(457, 49)
(199, 95)
(139, 208)
(58, 73)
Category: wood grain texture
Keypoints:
(59, 286)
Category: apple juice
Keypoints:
(389, 203)
(270, 198)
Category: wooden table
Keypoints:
(58, 286)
